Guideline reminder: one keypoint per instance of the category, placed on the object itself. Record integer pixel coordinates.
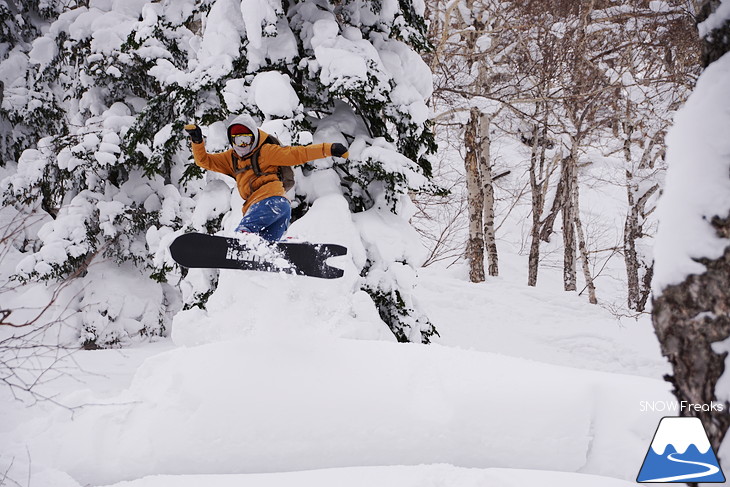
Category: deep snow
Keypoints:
(522, 385)
(398, 476)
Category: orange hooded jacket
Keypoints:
(252, 188)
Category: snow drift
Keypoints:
(282, 402)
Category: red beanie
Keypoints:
(239, 129)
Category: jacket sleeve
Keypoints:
(220, 162)
(277, 155)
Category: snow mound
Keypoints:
(396, 476)
(274, 304)
(283, 403)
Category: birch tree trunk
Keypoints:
(475, 199)
(568, 213)
(537, 206)
(638, 271)
(631, 225)
(631, 234)
(539, 185)
(485, 173)
(582, 248)
(579, 113)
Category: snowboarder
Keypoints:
(255, 161)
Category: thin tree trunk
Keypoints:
(537, 205)
(585, 262)
(539, 185)
(475, 200)
(638, 271)
(568, 213)
(631, 225)
(547, 225)
(631, 232)
(582, 247)
(485, 172)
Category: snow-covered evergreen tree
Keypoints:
(115, 171)
(28, 108)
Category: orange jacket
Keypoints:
(254, 189)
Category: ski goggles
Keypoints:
(242, 140)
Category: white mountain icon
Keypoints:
(681, 433)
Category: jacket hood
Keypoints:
(248, 122)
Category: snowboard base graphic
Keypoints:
(250, 252)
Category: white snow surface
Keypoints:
(698, 180)
(396, 476)
(269, 380)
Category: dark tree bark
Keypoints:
(688, 318)
(717, 42)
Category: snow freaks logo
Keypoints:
(674, 406)
(680, 452)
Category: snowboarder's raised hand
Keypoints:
(339, 150)
(196, 135)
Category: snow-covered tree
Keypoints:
(691, 303)
(29, 109)
(651, 71)
(577, 83)
(116, 172)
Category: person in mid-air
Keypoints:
(255, 161)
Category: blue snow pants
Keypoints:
(268, 218)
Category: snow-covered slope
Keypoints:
(541, 324)
(244, 395)
(285, 403)
(399, 476)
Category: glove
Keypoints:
(339, 150)
(196, 135)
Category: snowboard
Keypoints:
(251, 252)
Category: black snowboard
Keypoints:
(198, 250)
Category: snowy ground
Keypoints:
(398, 476)
(506, 317)
(524, 387)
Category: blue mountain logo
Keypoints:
(680, 452)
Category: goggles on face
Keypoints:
(242, 140)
